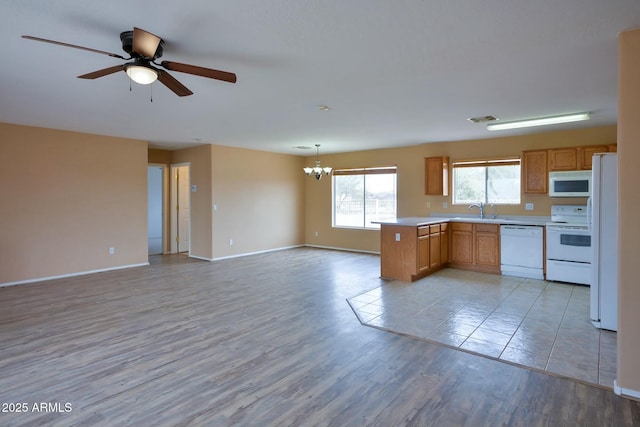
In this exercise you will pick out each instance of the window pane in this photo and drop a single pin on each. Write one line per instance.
(503, 184)
(381, 198)
(497, 183)
(348, 200)
(469, 185)
(361, 198)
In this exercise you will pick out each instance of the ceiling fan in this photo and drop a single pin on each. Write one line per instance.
(143, 49)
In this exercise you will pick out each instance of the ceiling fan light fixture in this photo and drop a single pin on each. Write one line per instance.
(141, 74)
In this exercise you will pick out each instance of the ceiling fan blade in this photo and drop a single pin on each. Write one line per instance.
(145, 43)
(169, 81)
(39, 39)
(103, 72)
(199, 71)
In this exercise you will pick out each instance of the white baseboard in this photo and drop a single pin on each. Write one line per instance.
(281, 249)
(79, 273)
(343, 249)
(200, 258)
(620, 391)
(255, 253)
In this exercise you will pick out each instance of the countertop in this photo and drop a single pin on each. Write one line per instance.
(414, 221)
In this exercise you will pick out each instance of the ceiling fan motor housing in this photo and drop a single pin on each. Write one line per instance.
(127, 45)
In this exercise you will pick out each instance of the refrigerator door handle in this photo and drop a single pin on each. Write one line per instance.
(590, 213)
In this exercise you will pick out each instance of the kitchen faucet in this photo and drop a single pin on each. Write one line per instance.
(480, 206)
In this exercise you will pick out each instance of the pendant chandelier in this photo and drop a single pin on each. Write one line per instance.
(317, 170)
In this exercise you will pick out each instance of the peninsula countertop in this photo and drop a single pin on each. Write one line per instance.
(415, 221)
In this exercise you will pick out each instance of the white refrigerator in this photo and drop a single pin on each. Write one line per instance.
(604, 241)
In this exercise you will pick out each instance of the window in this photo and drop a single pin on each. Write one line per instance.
(364, 195)
(487, 181)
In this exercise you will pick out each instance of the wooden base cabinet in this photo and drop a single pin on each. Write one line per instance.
(444, 243)
(475, 246)
(409, 253)
(461, 243)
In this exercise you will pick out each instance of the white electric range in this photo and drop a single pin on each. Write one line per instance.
(568, 246)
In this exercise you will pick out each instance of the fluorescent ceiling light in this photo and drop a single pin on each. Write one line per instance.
(539, 122)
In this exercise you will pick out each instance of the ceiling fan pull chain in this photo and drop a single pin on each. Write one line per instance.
(151, 88)
(130, 84)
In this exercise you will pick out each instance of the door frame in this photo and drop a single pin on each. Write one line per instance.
(165, 219)
(173, 218)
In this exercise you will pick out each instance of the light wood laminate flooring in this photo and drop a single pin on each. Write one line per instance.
(263, 340)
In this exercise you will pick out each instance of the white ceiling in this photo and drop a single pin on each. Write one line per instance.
(394, 73)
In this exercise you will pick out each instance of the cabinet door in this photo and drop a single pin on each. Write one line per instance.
(534, 172)
(563, 159)
(436, 176)
(585, 155)
(461, 246)
(434, 250)
(444, 244)
(423, 253)
(487, 249)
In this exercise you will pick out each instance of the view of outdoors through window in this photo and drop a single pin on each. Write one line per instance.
(499, 184)
(362, 196)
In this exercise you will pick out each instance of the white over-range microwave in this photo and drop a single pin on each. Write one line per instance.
(570, 184)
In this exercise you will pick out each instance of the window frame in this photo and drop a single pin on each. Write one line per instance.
(381, 170)
(486, 163)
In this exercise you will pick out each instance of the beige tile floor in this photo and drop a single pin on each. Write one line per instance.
(534, 323)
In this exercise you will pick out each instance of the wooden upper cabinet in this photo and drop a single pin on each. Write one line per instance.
(612, 148)
(534, 172)
(563, 159)
(585, 155)
(436, 176)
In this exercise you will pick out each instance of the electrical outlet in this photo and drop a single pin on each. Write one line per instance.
(316, 233)
(428, 205)
(230, 242)
(445, 205)
(397, 237)
(528, 207)
(112, 251)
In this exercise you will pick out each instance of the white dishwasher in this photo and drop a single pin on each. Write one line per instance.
(521, 251)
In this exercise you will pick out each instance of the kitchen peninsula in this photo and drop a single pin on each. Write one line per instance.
(414, 247)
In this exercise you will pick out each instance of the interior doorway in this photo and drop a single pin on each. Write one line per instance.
(155, 217)
(180, 208)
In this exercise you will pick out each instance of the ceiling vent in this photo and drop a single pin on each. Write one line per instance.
(483, 119)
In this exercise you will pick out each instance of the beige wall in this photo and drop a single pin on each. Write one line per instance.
(259, 199)
(411, 198)
(629, 206)
(199, 160)
(66, 198)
